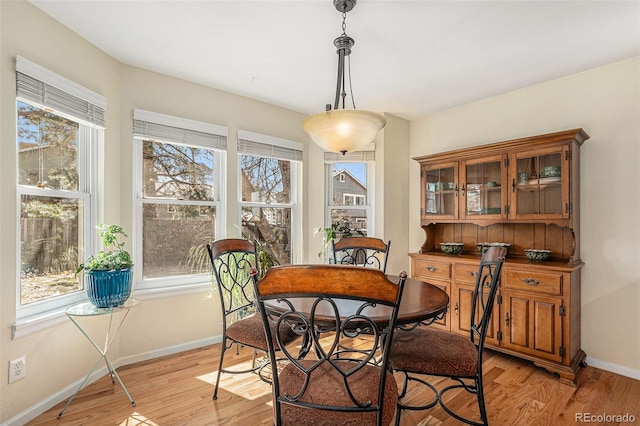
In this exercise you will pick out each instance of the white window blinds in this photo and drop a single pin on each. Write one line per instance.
(47, 89)
(166, 128)
(250, 143)
(349, 157)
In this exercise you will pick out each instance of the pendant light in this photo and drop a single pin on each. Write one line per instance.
(339, 129)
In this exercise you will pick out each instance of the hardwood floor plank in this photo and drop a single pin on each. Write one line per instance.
(178, 389)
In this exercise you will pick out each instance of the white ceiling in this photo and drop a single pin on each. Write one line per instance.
(411, 58)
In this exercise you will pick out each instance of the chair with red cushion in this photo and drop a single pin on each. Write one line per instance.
(431, 352)
(232, 260)
(326, 304)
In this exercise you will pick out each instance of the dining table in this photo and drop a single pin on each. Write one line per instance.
(421, 302)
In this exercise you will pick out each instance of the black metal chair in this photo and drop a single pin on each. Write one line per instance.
(427, 351)
(361, 251)
(232, 260)
(326, 304)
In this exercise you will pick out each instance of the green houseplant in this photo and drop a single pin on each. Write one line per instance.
(338, 229)
(108, 275)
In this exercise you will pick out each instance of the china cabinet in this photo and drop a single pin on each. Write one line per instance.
(523, 193)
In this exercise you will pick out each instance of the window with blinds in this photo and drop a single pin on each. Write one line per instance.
(179, 174)
(269, 170)
(58, 126)
(349, 191)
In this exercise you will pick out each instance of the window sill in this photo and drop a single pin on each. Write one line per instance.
(32, 324)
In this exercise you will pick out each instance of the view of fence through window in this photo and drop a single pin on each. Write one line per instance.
(178, 209)
(50, 237)
(266, 196)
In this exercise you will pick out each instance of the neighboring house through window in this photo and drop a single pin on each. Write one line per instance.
(269, 199)
(349, 189)
(59, 124)
(179, 175)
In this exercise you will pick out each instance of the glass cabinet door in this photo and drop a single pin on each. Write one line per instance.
(482, 187)
(540, 184)
(440, 189)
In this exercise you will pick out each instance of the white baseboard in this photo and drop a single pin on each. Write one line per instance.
(614, 368)
(66, 392)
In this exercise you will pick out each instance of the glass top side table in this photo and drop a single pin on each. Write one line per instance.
(87, 309)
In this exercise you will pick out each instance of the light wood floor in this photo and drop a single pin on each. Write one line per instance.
(177, 390)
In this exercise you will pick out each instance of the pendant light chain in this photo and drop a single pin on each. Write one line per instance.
(340, 129)
(344, 23)
(348, 58)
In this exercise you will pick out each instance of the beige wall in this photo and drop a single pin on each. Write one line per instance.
(605, 101)
(58, 356)
(25, 31)
(165, 322)
(392, 173)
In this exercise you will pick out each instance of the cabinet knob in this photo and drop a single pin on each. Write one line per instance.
(531, 281)
(474, 274)
(456, 308)
(431, 268)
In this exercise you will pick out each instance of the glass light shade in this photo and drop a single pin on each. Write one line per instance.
(343, 130)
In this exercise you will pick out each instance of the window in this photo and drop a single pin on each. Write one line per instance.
(56, 133)
(269, 193)
(179, 173)
(353, 199)
(349, 190)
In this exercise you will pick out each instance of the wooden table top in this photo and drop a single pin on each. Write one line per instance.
(420, 302)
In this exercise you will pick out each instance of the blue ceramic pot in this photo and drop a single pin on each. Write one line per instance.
(108, 289)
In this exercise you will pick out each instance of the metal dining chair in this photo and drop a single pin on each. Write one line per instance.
(361, 251)
(427, 351)
(332, 385)
(232, 260)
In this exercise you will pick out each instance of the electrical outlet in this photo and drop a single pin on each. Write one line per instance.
(17, 369)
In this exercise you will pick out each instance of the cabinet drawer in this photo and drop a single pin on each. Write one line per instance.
(466, 273)
(427, 268)
(533, 282)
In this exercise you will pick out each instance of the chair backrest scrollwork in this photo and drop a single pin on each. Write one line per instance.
(361, 251)
(328, 305)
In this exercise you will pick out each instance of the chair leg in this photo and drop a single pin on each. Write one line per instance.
(223, 348)
(481, 405)
(403, 392)
(253, 360)
(475, 389)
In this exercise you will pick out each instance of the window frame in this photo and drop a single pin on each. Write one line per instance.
(368, 159)
(82, 106)
(187, 282)
(295, 201)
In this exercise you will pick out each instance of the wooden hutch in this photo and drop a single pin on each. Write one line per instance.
(523, 192)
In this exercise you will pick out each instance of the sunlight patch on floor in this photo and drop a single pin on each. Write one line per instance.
(137, 419)
(429, 421)
(252, 386)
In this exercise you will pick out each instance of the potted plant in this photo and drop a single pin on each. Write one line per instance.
(108, 275)
(338, 229)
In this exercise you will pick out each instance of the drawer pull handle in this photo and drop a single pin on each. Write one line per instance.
(456, 308)
(431, 268)
(531, 281)
(474, 274)
(506, 319)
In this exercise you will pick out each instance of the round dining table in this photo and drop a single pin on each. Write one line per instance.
(420, 302)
